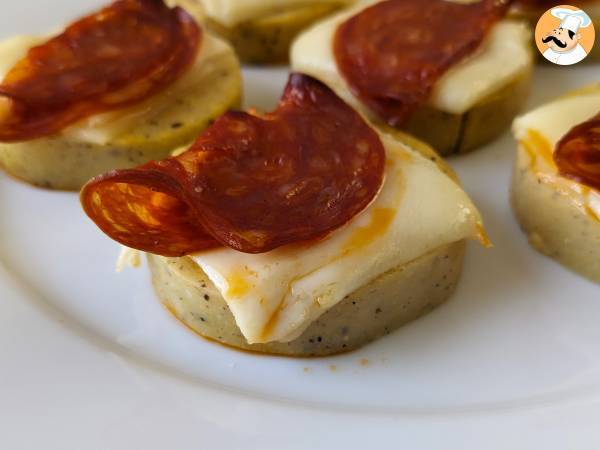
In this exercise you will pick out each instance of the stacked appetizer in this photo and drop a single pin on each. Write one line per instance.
(261, 30)
(115, 89)
(532, 10)
(556, 182)
(303, 231)
(451, 73)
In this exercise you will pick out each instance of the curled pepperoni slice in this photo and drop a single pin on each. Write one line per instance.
(117, 57)
(391, 54)
(141, 208)
(252, 183)
(577, 154)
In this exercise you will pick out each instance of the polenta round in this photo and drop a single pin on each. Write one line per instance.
(130, 136)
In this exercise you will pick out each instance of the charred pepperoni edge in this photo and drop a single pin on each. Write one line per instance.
(577, 154)
(30, 118)
(285, 188)
(366, 43)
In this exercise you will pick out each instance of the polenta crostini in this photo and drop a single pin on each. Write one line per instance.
(556, 185)
(115, 89)
(455, 77)
(300, 232)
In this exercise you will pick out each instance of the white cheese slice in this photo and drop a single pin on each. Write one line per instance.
(553, 120)
(550, 123)
(276, 295)
(233, 12)
(102, 128)
(503, 56)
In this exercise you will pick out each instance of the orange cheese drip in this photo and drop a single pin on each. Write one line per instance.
(270, 326)
(537, 146)
(483, 237)
(381, 219)
(238, 283)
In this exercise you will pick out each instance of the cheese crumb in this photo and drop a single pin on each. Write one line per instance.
(128, 258)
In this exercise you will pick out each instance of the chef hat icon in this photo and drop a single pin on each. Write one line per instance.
(571, 20)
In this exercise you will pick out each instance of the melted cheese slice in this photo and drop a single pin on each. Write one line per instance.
(233, 12)
(539, 131)
(275, 296)
(503, 57)
(102, 128)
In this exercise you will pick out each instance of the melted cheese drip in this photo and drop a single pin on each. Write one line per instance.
(275, 296)
(503, 57)
(102, 128)
(233, 12)
(128, 258)
(539, 131)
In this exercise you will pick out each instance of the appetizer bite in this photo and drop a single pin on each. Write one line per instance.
(113, 90)
(261, 30)
(556, 180)
(531, 11)
(452, 74)
(298, 232)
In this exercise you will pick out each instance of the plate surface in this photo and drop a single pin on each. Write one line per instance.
(91, 360)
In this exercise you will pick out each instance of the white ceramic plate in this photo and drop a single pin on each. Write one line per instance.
(90, 360)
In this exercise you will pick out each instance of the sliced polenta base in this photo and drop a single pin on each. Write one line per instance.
(453, 133)
(374, 310)
(267, 39)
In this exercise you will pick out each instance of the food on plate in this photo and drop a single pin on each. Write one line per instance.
(302, 232)
(261, 30)
(532, 10)
(556, 180)
(114, 89)
(452, 74)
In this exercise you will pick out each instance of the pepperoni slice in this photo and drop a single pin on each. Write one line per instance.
(117, 57)
(250, 182)
(391, 54)
(577, 154)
